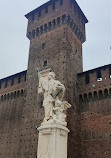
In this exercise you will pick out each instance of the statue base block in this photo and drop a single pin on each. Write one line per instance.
(52, 141)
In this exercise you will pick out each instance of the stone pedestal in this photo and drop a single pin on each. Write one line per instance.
(52, 141)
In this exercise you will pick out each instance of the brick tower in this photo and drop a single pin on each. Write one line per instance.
(56, 31)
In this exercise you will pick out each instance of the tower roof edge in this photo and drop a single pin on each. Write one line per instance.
(52, 1)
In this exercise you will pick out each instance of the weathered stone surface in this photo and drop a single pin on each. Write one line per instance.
(52, 142)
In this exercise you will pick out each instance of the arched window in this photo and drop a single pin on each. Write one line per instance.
(80, 97)
(58, 21)
(11, 95)
(95, 94)
(45, 28)
(49, 26)
(33, 34)
(37, 32)
(54, 23)
(68, 20)
(100, 94)
(22, 91)
(105, 92)
(41, 30)
(85, 97)
(64, 18)
(15, 94)
(90, 95)
(8, 95)
(5, 97)
(18, 93)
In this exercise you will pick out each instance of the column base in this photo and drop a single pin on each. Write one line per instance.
(52, 141)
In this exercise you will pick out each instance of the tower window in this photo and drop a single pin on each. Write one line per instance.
(39, 14)
(43, 45)
(6, 83)
(98, 74)
(58, 21)
(41, 29)
(37, 32)
(45, 27)
(54, 23)
(33, 33)
(33, 16)
(49, 26)
(19, 78)
(46, 10)
(63, 18)
(76, 51)
(61, 2)
(87, 78)
(12, 82)
(45, 63)
(53, 6)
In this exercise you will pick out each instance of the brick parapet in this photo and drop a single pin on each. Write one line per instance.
(12, 85)
(95, 83)
(67, 13)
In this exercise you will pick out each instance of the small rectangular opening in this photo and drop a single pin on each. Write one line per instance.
(98, 74)
(43, 45)
(45, 63)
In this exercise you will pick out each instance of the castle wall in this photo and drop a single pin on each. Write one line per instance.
(95, 90)
(95, 112)
(12, 100)
(95, 135)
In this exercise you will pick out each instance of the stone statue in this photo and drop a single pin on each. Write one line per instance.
(53, 103)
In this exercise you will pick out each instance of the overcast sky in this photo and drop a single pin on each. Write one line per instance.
(14, 46)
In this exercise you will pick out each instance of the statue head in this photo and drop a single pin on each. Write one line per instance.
(51, 75)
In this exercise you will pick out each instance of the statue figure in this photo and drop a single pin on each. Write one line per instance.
(53, 92)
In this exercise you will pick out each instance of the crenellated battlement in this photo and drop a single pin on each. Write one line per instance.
(60, 21)
(94, 87)
(12, 83)
(95, 83)
(59, 12)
